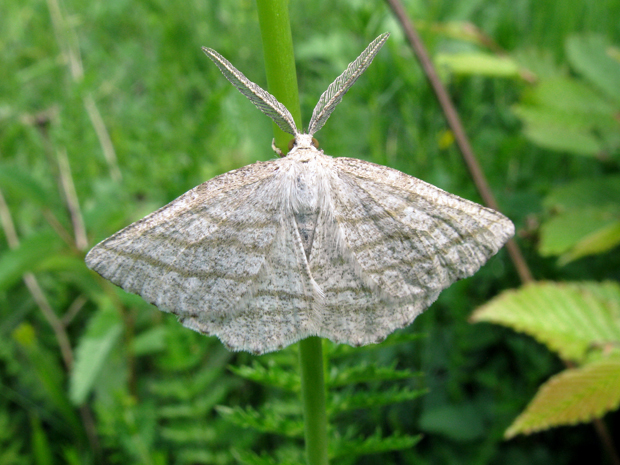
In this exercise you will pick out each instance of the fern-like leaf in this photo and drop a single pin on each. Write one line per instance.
(569, 318)
(273, 375)
(203, 456)
(183, 391)
(247, 457)
(573, 396)
(375, 444)
(360, 400)
(366, 373)
(334, 351)
(265, 420)
(200, 405)
(188, 433)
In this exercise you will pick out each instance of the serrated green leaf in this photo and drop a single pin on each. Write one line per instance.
(585, 221)
(104, 330)
(568, 318)
(365, 373)
(588, 55)
(541, 63)
(360, 400)
(31, 252)
(265, 421)
(574, 396)
(477, 63)
(607, 291)
(375, 444)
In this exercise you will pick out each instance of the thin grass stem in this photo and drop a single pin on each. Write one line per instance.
(282, 84)
(279, 62)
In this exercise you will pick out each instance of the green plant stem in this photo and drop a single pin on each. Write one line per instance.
(282, 84)
(279, 61)
(313, 395)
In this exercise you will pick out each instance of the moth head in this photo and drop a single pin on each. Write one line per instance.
(303, 141)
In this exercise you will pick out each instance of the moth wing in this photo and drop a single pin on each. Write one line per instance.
(397, 242)
(222, 258)
(354, 309)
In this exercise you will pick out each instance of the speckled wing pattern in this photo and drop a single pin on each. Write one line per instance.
(224, 257)
(305, 245)
(390, 245)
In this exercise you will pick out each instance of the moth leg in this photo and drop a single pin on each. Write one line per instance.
(275, 148)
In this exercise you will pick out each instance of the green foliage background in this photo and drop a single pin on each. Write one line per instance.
(142, 389)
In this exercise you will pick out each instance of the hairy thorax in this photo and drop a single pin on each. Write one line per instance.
(307, 191)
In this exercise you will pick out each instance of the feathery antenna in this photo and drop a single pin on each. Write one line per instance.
(263, 100)
(336, 90)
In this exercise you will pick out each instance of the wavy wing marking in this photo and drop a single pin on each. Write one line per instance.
(356, 310)
(400, 241)
(223, 258)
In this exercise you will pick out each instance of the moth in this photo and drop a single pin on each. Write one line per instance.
(306, 244)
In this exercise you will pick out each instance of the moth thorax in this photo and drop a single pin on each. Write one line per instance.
(305, 189)
(306, 206)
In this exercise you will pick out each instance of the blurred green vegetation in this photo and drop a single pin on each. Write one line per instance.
(109, 110)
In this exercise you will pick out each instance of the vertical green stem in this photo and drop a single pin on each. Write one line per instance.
(282, 83)
(279, 61)
(313, 395)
